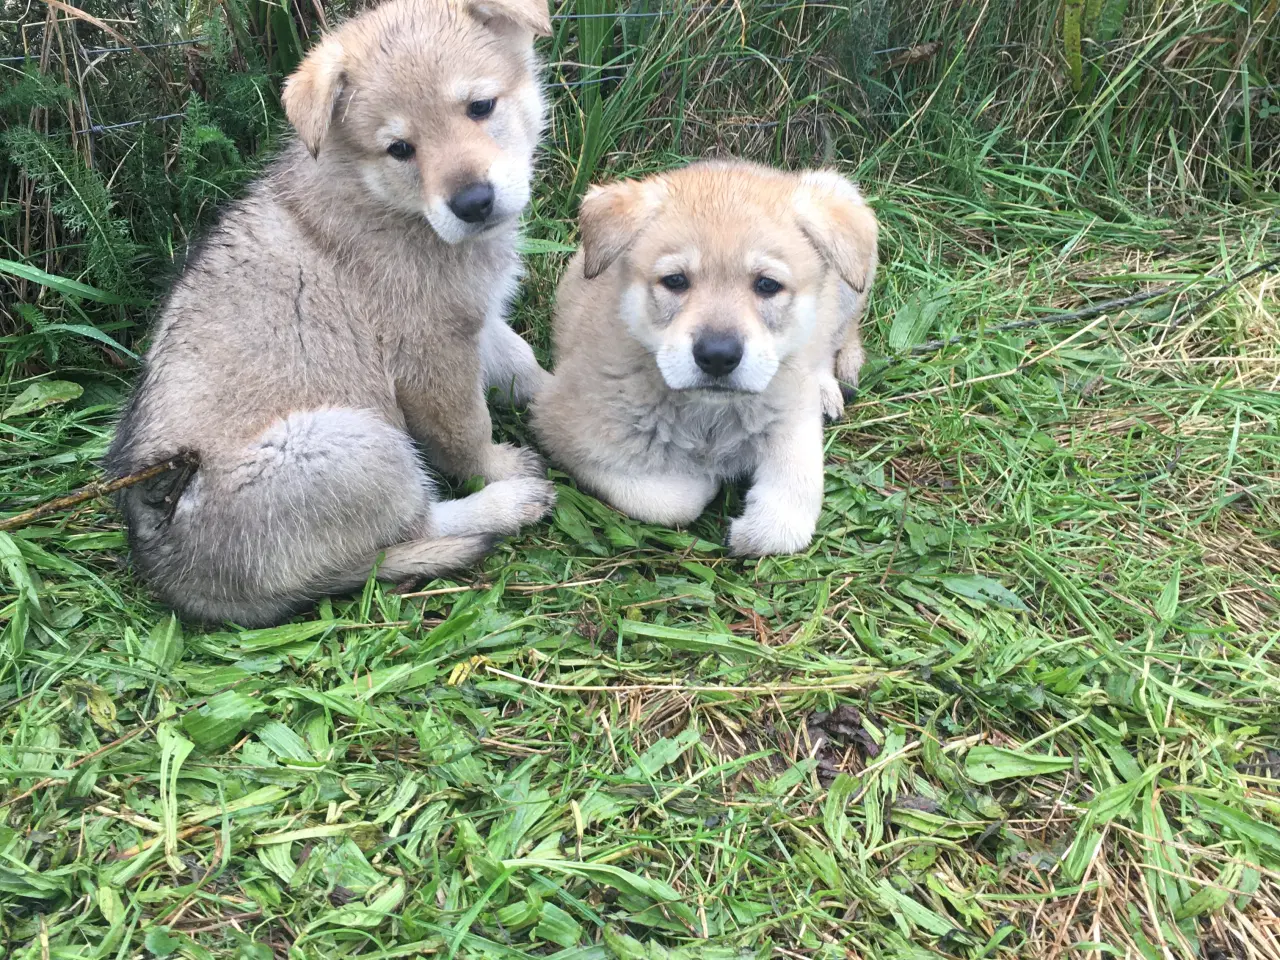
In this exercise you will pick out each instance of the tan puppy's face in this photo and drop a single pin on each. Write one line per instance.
(721, 265)
(434, 104)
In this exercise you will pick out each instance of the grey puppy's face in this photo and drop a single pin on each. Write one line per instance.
(438, 112)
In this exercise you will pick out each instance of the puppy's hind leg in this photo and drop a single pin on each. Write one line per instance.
(301, 511)
(501, 508)
(458, 533)
(850, 355)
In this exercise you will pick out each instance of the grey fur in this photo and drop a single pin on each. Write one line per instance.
(325, 334)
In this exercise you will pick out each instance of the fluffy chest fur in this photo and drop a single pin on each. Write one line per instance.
(697, 431)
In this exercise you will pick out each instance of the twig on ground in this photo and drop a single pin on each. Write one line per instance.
(99, 488)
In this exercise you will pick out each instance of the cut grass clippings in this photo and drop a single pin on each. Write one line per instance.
(1018, 700)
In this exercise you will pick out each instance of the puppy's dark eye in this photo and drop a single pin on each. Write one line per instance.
(675, 282)
(400, 149)
(479, 109)
(767, 286)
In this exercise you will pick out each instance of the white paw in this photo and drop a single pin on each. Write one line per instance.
(508, 462)
(766, 532)
(513, 504)
(832, 398)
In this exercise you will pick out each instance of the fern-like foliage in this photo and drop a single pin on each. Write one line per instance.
(79, 198)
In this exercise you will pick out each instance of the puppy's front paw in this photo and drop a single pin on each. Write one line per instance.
(761, 534)
(508, 462)
(832, 398)
(520, 502)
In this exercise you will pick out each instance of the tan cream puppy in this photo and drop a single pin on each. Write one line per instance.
(346, 317)
(700, 335)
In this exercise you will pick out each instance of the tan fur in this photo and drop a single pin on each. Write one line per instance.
(633, 413)
(340, 320)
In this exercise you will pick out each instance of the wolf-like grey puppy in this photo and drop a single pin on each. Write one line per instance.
(700, 335)
(347, 312)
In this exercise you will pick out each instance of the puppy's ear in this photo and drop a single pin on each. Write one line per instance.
(834, 217)
(531, 15)
(611, 217)
(312, 92)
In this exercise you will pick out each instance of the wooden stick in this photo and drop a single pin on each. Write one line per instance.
(99, 488)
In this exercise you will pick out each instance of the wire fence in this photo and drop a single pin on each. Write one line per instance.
(601, 74)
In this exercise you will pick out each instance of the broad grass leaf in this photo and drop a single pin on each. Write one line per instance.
(93, 333)
(1109, 20)
(916, 914)
(278, 858)
(931, 824)
(834, 821)
(727, 645)
(661, 754)
(368, 915)
(264, 798)
(220, 721)
(1167, 603)
(174, 750)
(286, 744)
(1081, 852)
(164, 647)
(986, 764)
(914, 319)
(1211, 898)
(160, 943)
(41, 394)
(252, 641)
(1241, 824)
(73, 288)
(655, 891)
(558, 927)
(568, 519)
(619, 946)
(984, 590)
(1118, 801)
(533, 246)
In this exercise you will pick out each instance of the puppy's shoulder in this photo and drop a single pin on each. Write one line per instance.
(581, 310)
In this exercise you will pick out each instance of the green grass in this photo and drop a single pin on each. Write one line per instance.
(1020, 699)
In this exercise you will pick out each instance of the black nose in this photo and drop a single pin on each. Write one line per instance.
(473, 203)
(717, 353)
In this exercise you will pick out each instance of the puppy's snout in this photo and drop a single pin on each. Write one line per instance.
(473, 203)
(717, 354)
